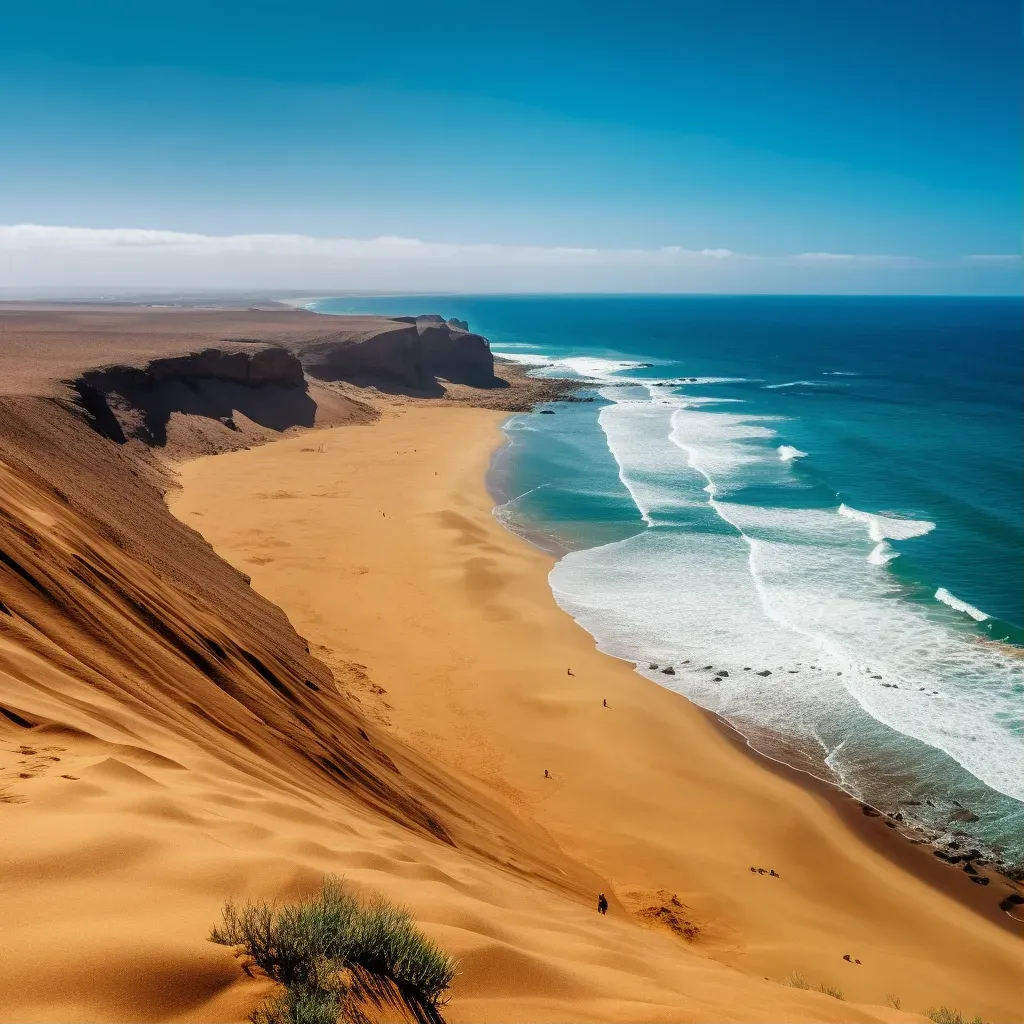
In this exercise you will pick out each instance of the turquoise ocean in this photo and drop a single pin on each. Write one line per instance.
(809, 509)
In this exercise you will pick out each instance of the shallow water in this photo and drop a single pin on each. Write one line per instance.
(810, 508)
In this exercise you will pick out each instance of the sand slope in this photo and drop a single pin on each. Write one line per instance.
(381, 548)
(161, 749)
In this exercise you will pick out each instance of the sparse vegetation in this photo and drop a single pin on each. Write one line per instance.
(797, 980)
(334, 954)
(947, 1015)
(894, 1000)
(829, 990)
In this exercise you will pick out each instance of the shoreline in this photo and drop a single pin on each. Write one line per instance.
(918, 833)
(685, 815)
(914, 855)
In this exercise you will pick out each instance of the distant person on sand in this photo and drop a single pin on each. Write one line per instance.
(602, 904)
(604, 703)
(569, 671)
(546, 776)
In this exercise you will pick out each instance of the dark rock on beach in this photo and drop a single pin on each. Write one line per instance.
(963, 814)
(668, 670)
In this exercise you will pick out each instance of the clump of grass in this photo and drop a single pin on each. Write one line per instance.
(298, 1005)
(332, 953)
(829, 990)
(947, 1015)
(797, 980)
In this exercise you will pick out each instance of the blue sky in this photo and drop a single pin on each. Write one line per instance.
(863, 130)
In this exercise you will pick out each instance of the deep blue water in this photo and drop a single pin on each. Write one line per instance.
(835, 500)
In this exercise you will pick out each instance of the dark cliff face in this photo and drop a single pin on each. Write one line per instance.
(457, 356)
(125, 402)
(264, 365)
(390, 356)
(408, 353)
(267, 383)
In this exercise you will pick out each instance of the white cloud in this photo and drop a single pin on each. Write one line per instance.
(387, 249)
(40, 256)
(861, 260)
(1010, 259)
(33, 254)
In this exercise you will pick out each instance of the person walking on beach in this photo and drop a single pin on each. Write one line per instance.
(602, 903)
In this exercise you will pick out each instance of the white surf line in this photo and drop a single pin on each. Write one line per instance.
(952, 601)
(644, 515)
(656, 399)
(851, 667)
(824, 644)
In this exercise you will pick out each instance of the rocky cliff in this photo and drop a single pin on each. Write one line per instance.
(405, 353)
(137, 401)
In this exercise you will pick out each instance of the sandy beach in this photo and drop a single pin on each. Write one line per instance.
(379, 544)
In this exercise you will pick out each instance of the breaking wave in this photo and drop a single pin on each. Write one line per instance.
(887, 527)
(954, 602)
(787, 453)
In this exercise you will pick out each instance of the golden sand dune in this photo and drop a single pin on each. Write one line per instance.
(382, 703)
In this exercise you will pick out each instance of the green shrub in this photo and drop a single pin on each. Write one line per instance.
(298, 1005)
(332, 952)
(386, 944)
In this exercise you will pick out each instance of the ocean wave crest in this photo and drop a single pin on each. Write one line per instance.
(882, 554)
(887, 527)
(943, 595)
(787, 453)
(715, 380)
(526, 358)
